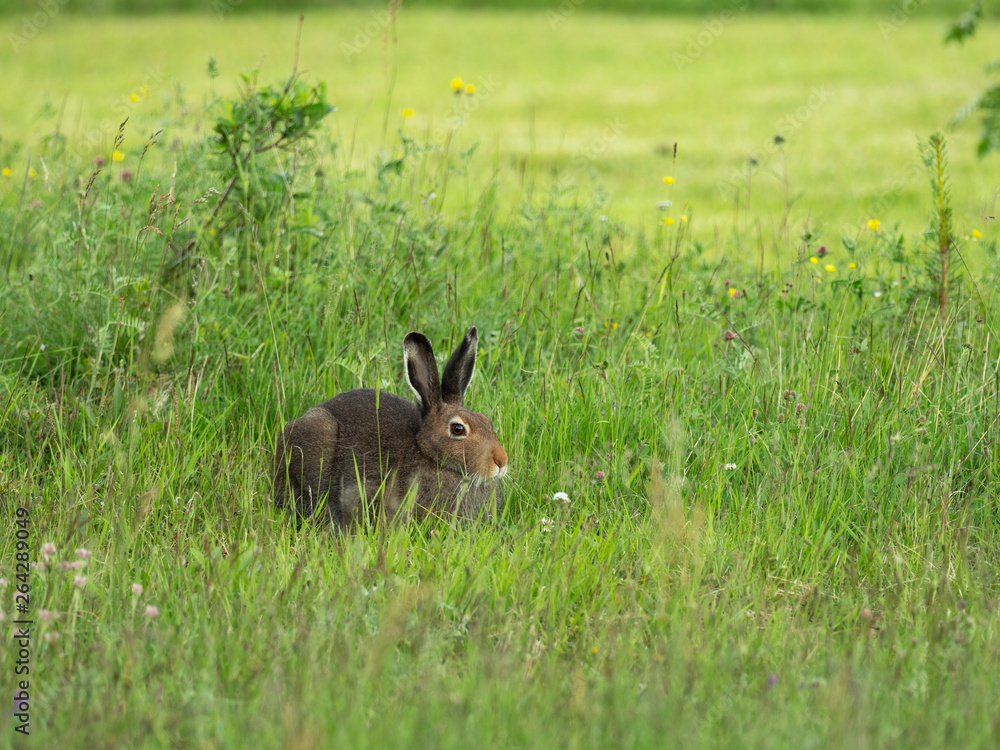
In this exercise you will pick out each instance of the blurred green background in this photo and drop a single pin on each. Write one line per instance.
(942, 7)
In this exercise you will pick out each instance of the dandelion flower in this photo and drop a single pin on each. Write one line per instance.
(976, 234)
(668, 221)
(733, 292)
(614, 326)
(470, 88)
(830, 268)
(456, 84)
(117, 156)
(874, 224)
(668, 180)
(814, 260)
(407, 112)
(7, 172)
(561, 497)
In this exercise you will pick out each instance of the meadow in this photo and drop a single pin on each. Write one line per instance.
(777, 438)
(591, 102)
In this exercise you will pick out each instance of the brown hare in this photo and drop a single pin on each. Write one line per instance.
(367, 452)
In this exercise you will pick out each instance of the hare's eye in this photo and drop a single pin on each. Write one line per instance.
(457, 429)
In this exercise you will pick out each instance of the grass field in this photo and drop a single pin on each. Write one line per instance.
(593, 101)
(781, 460)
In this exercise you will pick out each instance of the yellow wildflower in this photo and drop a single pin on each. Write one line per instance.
(133, 98)
(407, 112)
(143, 92)
(976, 234)
(32, 173)
(874, 224)
(732, 292)
(684, 217)
(470, 88)
(668, 180)
(814, 260)
(830, 268)
(456, 84)
(852, 266)
(117, 156)
(668, 221)
(7, 172)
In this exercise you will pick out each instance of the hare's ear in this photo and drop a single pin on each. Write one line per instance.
(460, 369)
(421, 370)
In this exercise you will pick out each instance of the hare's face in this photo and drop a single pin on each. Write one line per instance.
(463, 441)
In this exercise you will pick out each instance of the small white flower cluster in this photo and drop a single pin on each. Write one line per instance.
(561, 497)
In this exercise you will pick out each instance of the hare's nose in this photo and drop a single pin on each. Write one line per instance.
(499, 457)
(500, 460)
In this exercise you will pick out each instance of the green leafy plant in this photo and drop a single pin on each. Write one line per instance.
(262, 121)
(987, 104)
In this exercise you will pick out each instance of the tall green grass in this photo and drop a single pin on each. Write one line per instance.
(782, 527)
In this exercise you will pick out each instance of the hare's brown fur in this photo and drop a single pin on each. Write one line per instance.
(364, 451)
